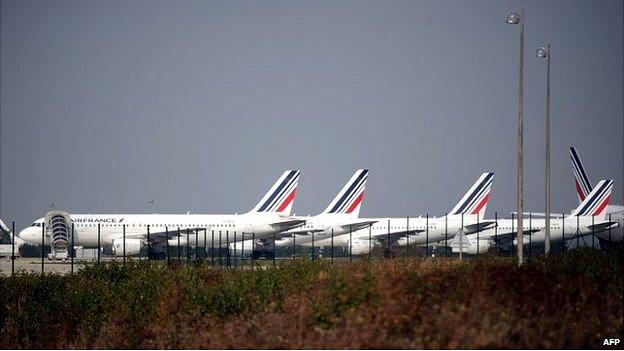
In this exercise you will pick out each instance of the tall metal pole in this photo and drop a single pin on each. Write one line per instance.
(514, 18)
(520, 180)
(547, 176)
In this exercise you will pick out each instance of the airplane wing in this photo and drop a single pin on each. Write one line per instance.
(393, 237)
(160, 236)
(288, 224)
(473, 228)
(358, 225)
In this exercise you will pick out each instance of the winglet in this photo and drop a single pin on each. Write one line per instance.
(349, 199)
(581, 181)
(595, 204)
(476, 199)
(281, 195)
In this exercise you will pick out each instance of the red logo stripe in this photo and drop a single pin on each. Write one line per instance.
(481, 204)
(287, 201)
(579, 191)
(602, 206)
(356, 202)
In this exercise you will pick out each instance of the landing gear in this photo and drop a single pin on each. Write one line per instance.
(257, 254)
(389, 253)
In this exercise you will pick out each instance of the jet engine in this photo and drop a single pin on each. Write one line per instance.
(58, 231)
(360, 247)
(133, 247)
(474, 249)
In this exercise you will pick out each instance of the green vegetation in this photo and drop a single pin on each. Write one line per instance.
(565, 301)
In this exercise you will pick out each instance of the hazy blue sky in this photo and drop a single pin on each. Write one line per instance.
(200, 105)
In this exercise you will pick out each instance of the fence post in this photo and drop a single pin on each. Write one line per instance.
(563, 231)
(205, 244)
(313, 255)
(446, 235)
(577, 232)
(188, 246)
(123, 228)
(179, 245)
(42, 244)
(234, 248)
(593, 233)
(530, 234)
(294, 245)
(253, 248)
(149, 246)
(388, 241)
(196, 243)
(167, 245)
(370, 242)
(274, 249)
(427, 235)
(477, 234)
(408, 236)
(496, 232)
(227, 248)
(220, 261)
(98, 239)
(212, 248)
(512, 235)
(72, 249)
(13, 249)
(332, 244)
(609, 227)
(350, 245)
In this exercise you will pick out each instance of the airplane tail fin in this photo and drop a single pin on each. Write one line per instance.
(281, 195)
(581, 181)
(476, 199)
(595, 204)
(349, 199)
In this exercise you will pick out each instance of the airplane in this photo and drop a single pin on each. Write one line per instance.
(386, 232)
(583, 188)
(586, 219)
(340, 216)
(271, 214)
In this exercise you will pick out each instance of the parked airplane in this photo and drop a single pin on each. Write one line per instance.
(386, 232)
(271, 214)
(583, 188)
(338, 218)
(586, 219)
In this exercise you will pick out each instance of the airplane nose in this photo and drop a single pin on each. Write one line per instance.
(26, 234)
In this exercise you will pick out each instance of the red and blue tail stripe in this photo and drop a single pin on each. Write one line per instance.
(281, 194)
(477, 197)
(350, 197)
(596, 202)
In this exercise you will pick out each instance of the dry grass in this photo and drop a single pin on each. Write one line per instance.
(571, 301)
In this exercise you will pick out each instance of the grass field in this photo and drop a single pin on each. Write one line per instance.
(566, 301)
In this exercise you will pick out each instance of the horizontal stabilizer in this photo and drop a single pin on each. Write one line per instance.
(602, 226)
(288, 224)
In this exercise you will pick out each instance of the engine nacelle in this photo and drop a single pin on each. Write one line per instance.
(133, 247)
(360, 247)
(474, 249)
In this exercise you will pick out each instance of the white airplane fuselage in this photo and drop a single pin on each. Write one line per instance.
(111, 226)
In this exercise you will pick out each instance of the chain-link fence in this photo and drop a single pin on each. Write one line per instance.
(45, 247)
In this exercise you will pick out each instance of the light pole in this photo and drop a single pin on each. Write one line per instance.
(515, 18)
(544, 52)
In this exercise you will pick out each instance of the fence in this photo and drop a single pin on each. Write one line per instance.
(428, 237)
